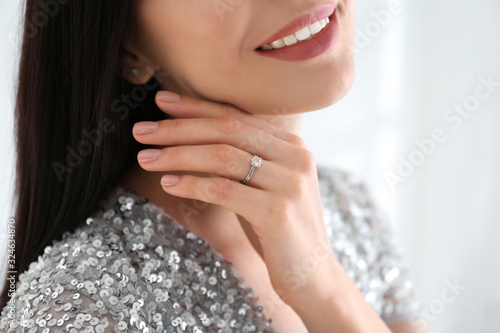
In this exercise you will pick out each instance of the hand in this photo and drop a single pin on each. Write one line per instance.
(281, 202)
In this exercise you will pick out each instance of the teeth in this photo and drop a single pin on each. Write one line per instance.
(315, 28)
(277, 44)
(290, 40)
(302, 35)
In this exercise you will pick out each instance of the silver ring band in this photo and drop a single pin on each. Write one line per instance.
(255, 162)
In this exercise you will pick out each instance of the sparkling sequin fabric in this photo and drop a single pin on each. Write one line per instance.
(132, 268)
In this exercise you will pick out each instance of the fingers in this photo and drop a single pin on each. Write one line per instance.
(202, 131)
(222, 160)
(222, 192)
(189, 107)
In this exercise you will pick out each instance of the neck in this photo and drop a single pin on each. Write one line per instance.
(290, 122)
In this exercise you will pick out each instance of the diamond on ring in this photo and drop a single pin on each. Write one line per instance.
(255, 162)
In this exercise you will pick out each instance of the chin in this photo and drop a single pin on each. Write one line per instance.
(334, 86)
(325, 93)
(337, 91)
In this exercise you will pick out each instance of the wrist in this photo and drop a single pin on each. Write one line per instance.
(318, 287)
(331, 302)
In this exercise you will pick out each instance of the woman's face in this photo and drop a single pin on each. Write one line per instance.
(209, 50)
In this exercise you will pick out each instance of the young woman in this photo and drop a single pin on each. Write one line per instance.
(161, 183)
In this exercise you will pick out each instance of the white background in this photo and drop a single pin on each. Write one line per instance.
(411, 68)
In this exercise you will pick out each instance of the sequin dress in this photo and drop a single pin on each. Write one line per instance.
(131, 268)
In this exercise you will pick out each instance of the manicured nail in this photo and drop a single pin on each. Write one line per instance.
(170, 180)
(168, 96)
(148, 155)
(145, 127)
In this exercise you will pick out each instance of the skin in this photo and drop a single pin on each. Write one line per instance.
(233, 103)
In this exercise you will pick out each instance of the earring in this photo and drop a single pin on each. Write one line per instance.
(135, 71)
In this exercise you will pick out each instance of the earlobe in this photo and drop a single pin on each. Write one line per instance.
(134, 65)
(135, 71)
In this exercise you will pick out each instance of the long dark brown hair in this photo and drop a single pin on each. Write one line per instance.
(74, 114)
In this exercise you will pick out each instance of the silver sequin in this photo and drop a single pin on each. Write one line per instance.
(131, 268)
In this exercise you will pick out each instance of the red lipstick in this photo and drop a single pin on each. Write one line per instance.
(303, 50)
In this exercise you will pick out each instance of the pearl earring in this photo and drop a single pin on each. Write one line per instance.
(135, 71)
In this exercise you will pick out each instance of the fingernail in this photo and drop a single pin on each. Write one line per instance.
(170, 180)
(145, 127)
(148, 155)
(168, 96)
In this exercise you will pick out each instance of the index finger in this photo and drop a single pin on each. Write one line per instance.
(182, 106)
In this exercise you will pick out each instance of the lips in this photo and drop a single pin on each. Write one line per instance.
(321, 12)
(279, 47)
(302, 35)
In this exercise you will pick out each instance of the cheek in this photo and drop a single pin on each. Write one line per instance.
(189, 40)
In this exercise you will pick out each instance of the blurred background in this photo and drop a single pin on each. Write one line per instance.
(420, 126)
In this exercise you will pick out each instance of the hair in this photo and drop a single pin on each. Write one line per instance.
(74, 114)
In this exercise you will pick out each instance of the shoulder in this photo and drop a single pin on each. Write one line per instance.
(68, 283)
(348, 200)
(342, 181)
(130, 267)
(364, 241)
